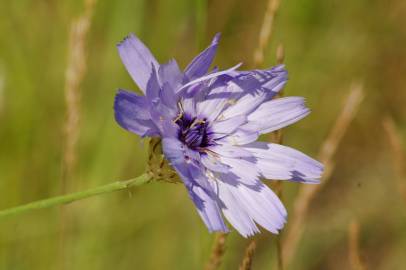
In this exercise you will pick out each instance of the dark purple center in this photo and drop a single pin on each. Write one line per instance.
(193, 132)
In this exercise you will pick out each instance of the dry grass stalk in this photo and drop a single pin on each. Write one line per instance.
(1, 90)
(248, 256)
(76, 68)
(326, 153)
(280, 54)
(340, 127)
(266, 31)
(75, 71)
(398, 153)
(353, 247)
(279, 258)
(217, 252)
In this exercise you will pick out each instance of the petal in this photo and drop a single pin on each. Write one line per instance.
(171, 78)
(240, 137)
(161, 106)
(213, 103)
(226, 127)
(153, 85)
(263, 206)
(200, 189)
(243, 170)
(276, 81)
(272, 80)
(173, 150)
(257, 87)
(137, 59)
(235, 212)
(201, 63)
(284, 163)
(260, 203)
(210, 76)
(169, 99)
(188, 106)
(231, 151)
(269, 81)
(208, 209)
(276, 114)
(212, 163)
(171, 74)
(244, 105)
(162, 83)
(220, 95)
(132, 113)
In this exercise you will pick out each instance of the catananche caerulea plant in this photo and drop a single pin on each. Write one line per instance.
(209, 122)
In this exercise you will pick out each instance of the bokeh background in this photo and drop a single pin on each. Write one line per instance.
(328, 45)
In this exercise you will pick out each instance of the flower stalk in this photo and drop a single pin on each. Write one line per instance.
(68, 198)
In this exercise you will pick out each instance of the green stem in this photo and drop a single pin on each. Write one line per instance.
(68, 198)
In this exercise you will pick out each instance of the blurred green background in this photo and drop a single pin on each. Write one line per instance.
(328, 45)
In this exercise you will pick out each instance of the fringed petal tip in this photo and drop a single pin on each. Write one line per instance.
(125, 39)
(137, 59)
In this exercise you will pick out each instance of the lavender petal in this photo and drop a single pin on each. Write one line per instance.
(201, 63)
(132, 113)
(235, 212)
(137, 59)
(284, 163)
(275, 114)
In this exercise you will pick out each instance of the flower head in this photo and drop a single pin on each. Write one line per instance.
(209, 122)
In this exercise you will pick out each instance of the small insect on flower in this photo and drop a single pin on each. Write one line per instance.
(209, 122)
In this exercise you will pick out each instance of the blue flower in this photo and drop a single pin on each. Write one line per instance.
(209, 122)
